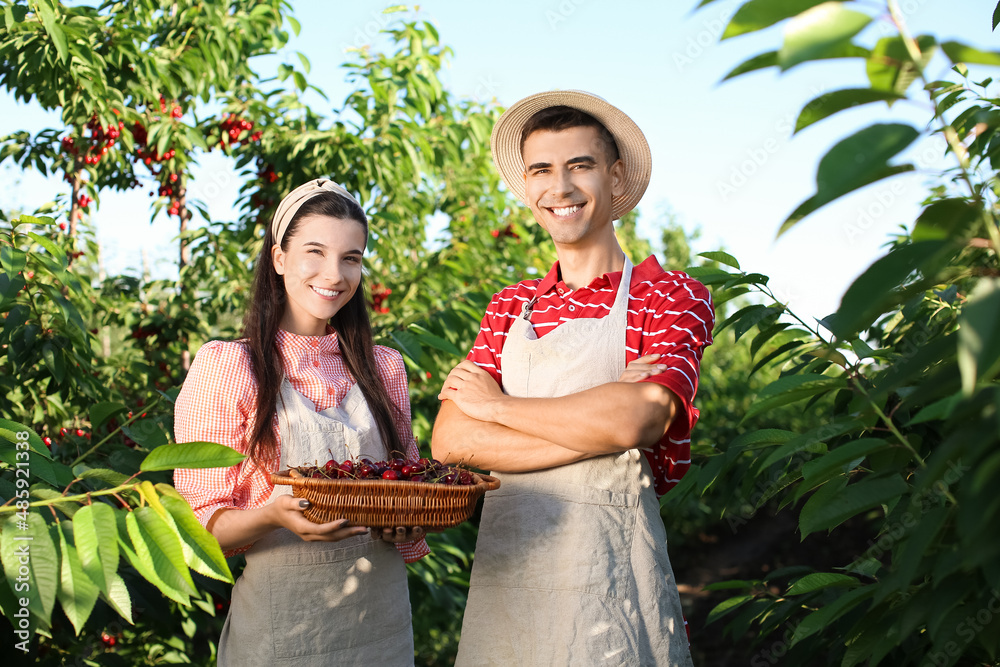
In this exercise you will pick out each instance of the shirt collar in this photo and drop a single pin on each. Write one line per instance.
(551, 280)
(293, 343)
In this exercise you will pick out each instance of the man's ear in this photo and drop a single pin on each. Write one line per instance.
(618, 178)
(278, 259)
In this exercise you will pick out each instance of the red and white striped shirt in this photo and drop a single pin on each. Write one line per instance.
(218, 403)
(669, 314)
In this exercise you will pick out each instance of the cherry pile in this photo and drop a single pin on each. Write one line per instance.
(421, 470)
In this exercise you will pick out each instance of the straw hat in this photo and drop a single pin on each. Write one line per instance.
(632, 147)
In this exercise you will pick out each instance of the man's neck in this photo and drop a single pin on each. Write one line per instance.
(579, 267)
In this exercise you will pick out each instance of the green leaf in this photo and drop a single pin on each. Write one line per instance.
(820, 434)
(959, 53)
(300, 80)
(890, 66)
(816, 32)
(790, 389)
(765, 437)
(776, 353)
(31, 544)
(77, 593)
(53, 29)
(823, 617)
(996, 16)
(9, 430)
(102, 412)
(119, 598)
(842, 456)
(721, 257)
(96, 538)
(939, 409)
(855, 162)
(821, 580)
(191, 455)
(306, 65)
(158, 546)
(109, 477)
(821, 513)
(828, 104)
(430, 340)
(409, 345)
(733, 583)
(875, 290)
(759, 14)
(768, 59)
(727, 606)
(979, 335)
(201, 549)
(53, 362)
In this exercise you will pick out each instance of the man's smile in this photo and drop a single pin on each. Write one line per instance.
(565, 211)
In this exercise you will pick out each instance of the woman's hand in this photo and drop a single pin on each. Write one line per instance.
(473, 390)
(286, 512)
(642, 368)
(399, 534)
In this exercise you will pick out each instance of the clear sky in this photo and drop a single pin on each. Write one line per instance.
(723, 156)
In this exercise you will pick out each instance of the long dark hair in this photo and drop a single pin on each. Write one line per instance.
(354, 331)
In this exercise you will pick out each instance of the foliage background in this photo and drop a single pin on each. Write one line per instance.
(842, 468)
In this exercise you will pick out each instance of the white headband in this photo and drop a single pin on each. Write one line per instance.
(289, 206)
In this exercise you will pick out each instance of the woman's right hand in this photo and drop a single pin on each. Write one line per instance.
(286, 512)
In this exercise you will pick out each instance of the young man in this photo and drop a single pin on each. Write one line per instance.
(571, 563)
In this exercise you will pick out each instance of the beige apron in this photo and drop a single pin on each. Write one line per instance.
(571, 563)
(320, 603)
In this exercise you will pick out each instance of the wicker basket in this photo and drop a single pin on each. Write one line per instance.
(378, 503)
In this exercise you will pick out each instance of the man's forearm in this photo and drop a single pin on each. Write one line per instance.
(608, 418)
(489, 446)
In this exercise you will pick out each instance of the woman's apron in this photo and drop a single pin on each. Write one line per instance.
(571, 563)
(320, 603)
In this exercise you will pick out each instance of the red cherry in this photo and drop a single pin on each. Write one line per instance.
(48, 441)
(417, 478)
(79, 432)
(108, 640)
(390, 474)
(62, 433)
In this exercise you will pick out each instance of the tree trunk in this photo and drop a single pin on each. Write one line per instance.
(74, 208)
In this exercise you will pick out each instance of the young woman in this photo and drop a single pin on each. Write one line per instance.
(303, 385)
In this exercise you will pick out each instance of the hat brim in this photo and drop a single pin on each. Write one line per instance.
(505, 142)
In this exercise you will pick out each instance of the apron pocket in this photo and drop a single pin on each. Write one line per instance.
(571, 539)
(339, 601)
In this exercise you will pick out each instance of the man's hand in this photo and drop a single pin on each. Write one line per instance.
(642, 368)
(473, 390)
